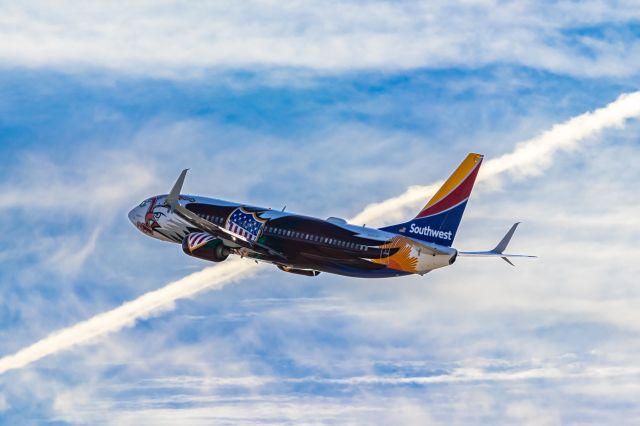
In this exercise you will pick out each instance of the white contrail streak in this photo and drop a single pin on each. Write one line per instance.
(529, 157)
(128, 313)
(468, 374)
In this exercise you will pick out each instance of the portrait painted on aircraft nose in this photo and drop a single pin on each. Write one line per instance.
(151, 217)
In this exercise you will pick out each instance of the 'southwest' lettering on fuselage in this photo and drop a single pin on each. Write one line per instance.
(427, 231)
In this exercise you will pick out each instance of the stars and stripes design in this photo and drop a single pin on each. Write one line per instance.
(196, 240)
(244, 224)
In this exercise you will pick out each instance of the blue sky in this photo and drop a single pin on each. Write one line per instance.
(326, 109)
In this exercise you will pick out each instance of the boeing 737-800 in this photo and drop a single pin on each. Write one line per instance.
(212, 229)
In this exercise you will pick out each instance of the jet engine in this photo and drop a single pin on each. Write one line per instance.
(205, 246)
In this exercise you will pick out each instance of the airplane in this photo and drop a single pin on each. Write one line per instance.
(212, 229)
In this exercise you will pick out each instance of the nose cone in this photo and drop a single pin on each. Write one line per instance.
(135, 215)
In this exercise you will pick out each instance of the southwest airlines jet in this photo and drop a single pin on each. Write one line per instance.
(213, 229)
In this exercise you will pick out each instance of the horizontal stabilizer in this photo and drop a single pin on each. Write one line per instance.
(498, 251)
(502, 245)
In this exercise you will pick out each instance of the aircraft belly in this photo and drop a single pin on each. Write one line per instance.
(351, 271)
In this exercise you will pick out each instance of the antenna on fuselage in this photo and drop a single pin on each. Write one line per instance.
(285, 206)
(174, 196)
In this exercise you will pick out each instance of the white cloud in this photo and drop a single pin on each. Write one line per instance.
(93, 182)
(529, 157)
(128, 313)
(181, 39)
(4, 405)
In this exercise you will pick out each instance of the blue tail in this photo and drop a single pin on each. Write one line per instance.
(438, 221)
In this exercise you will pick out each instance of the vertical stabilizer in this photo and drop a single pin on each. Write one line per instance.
(439, 219)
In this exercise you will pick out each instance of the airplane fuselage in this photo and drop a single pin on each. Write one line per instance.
(295, 243)
(213, 229)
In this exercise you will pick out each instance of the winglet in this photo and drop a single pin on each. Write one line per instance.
(174, 195)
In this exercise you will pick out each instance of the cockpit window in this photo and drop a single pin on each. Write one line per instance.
(145, 202)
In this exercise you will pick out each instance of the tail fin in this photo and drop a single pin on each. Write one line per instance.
(438, 221)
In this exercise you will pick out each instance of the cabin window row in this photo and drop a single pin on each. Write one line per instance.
(213, 219)
(314, 238)
(296, 234)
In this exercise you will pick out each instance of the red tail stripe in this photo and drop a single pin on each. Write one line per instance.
(454, 198)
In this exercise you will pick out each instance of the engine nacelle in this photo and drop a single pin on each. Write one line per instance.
(205, 246)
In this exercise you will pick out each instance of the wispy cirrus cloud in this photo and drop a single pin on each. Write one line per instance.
(127, 314)
(180, 40)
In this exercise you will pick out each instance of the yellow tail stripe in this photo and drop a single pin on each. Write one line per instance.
(455, 179)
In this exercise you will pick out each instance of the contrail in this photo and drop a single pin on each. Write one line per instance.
(528, 158)
(128, 313)
(467, 374)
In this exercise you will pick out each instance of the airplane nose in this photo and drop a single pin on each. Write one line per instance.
(134, 215)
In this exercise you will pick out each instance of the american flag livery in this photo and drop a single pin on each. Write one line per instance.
(196, 240)
(244, 224)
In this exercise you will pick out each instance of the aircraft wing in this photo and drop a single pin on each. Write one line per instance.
(196, 221)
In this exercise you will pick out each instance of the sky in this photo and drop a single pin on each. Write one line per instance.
(353, 109)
